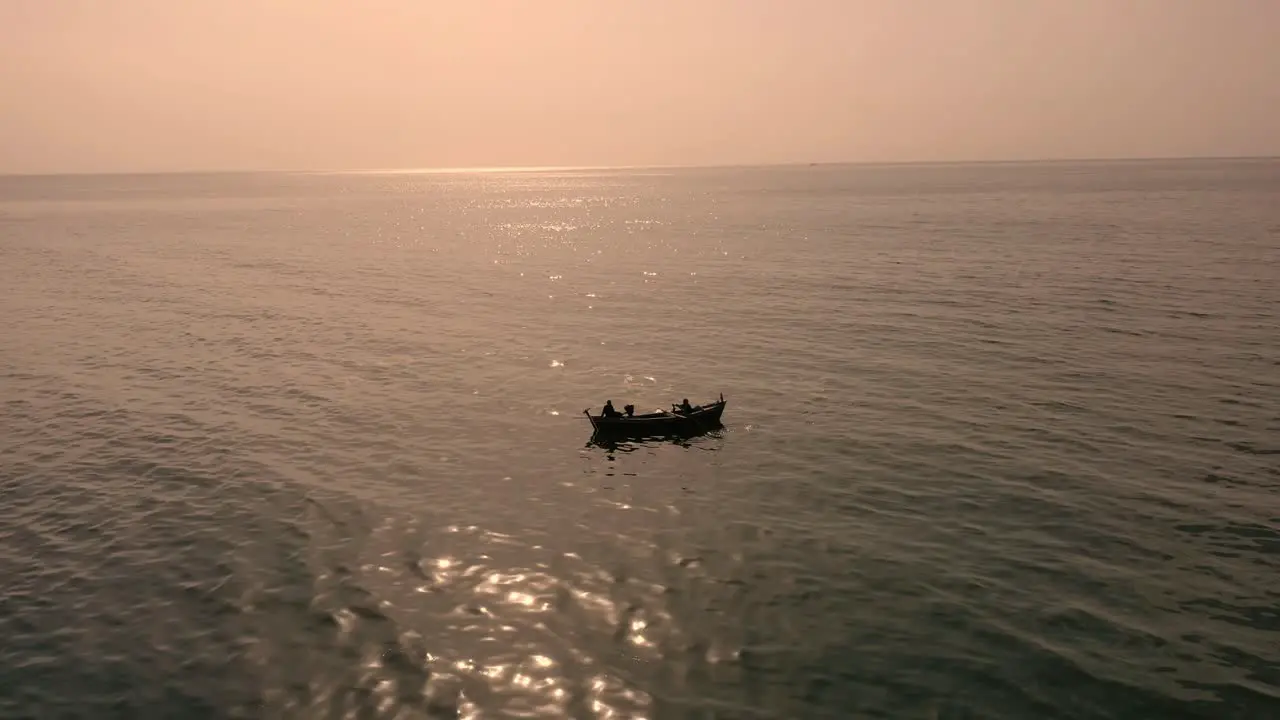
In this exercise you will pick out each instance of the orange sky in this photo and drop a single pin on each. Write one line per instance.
(145, 85)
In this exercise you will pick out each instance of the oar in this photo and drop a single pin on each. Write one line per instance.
(682, 416)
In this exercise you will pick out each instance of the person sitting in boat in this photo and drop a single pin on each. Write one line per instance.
(609, 411)
(685, 407)
(629, 410)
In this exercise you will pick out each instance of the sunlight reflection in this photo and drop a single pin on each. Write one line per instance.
(593, 602)
(520, 598)
(506, 617)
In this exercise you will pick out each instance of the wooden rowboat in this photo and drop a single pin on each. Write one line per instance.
(664, 422)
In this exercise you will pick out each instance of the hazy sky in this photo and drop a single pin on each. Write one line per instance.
(125, 85)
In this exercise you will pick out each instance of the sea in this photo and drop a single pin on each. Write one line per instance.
(1002, 441)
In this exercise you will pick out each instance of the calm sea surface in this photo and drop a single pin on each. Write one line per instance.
(1003, 441)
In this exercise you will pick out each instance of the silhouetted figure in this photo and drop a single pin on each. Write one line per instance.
(630, 410)
(683, 407)
(608, 410)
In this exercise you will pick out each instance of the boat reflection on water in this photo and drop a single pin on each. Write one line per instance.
(613, 442)
(675, 426)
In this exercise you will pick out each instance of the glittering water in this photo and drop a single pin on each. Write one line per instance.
(1001, 443)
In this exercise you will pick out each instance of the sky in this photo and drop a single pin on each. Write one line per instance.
(178, 85)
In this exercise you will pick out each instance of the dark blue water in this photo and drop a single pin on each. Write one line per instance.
(1001, 443)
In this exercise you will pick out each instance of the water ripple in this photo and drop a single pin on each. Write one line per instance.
(1000, 443)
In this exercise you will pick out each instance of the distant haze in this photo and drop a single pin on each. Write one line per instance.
(158, 85)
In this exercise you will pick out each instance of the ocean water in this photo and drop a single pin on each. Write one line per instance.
(1002, 441)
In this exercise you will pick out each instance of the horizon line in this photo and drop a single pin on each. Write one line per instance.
(501, 169)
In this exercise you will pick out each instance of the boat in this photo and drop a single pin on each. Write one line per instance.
(660, 423)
